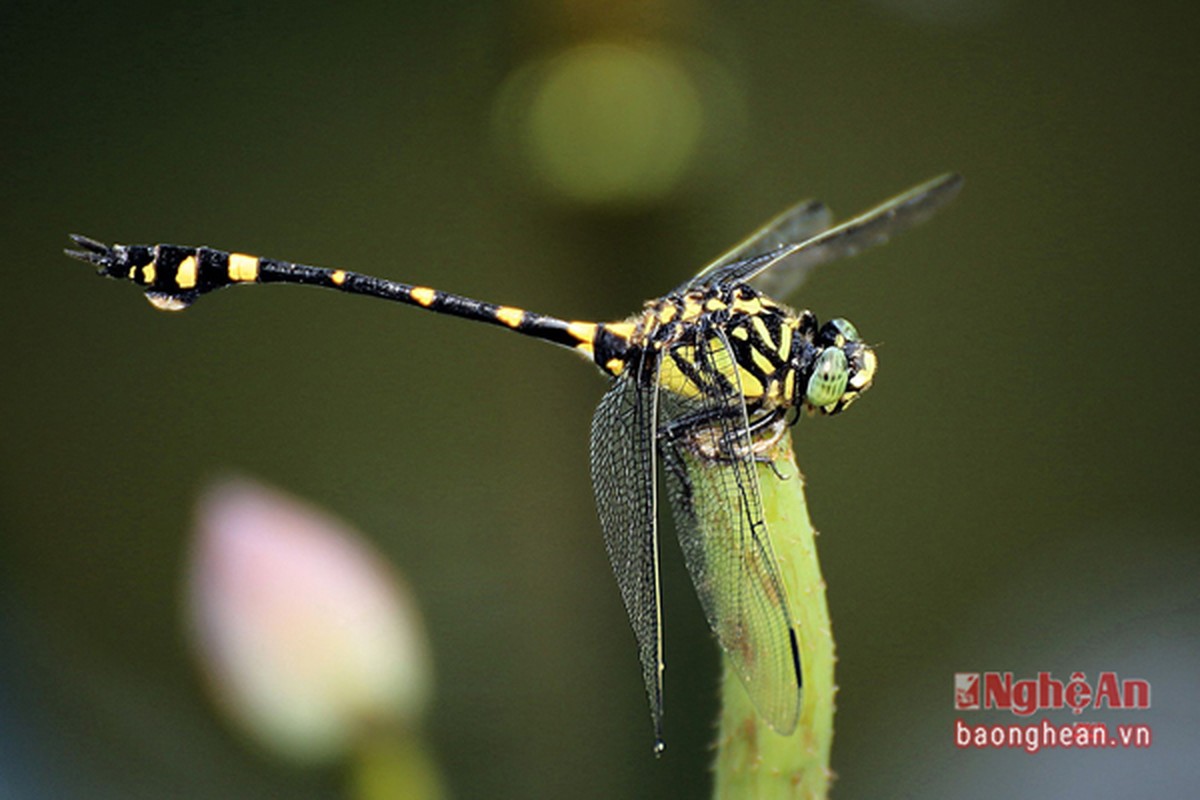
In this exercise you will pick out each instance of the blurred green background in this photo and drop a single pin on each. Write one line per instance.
(1017, 492)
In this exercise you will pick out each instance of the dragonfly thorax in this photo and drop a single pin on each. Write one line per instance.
(730, 340)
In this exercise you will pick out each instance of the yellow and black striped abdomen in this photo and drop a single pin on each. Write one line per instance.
(174, 276)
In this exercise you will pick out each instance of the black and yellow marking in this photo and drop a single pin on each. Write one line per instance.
(762, 336)
(768, 340)
(704, 382)
(174, 276)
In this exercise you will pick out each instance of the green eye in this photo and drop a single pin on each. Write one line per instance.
(846, 329)
(828, 381)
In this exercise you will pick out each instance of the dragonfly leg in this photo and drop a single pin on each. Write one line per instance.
(709, 435)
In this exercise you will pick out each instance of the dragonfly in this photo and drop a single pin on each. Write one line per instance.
(704, 381)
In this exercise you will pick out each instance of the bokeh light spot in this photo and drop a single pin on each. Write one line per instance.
(607, 123)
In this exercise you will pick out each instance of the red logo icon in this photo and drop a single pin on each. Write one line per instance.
(966, 691)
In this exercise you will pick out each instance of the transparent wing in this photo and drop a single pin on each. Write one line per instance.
(712, 482)
(623, 478)
(800, 222)
(781, 271)
(784, 274)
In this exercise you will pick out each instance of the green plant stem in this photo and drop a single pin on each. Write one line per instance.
(752, 760)
(394, 765)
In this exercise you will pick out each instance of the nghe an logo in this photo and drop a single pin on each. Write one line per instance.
(966, 691)
(973, 691)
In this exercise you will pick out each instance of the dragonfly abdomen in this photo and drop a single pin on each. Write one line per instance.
(174, 276)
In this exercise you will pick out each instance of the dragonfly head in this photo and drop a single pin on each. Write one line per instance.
(842, 368)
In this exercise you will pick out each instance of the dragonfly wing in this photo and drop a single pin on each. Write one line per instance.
(623, 478)
(712, 483)
(800, 222)
(780, 276)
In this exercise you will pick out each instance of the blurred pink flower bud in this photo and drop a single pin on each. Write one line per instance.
(307, 637)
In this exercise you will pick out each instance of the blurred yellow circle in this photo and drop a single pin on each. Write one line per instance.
(607, 123)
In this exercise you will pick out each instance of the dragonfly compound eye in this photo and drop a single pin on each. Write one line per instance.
(837, 333)
(827, 384)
